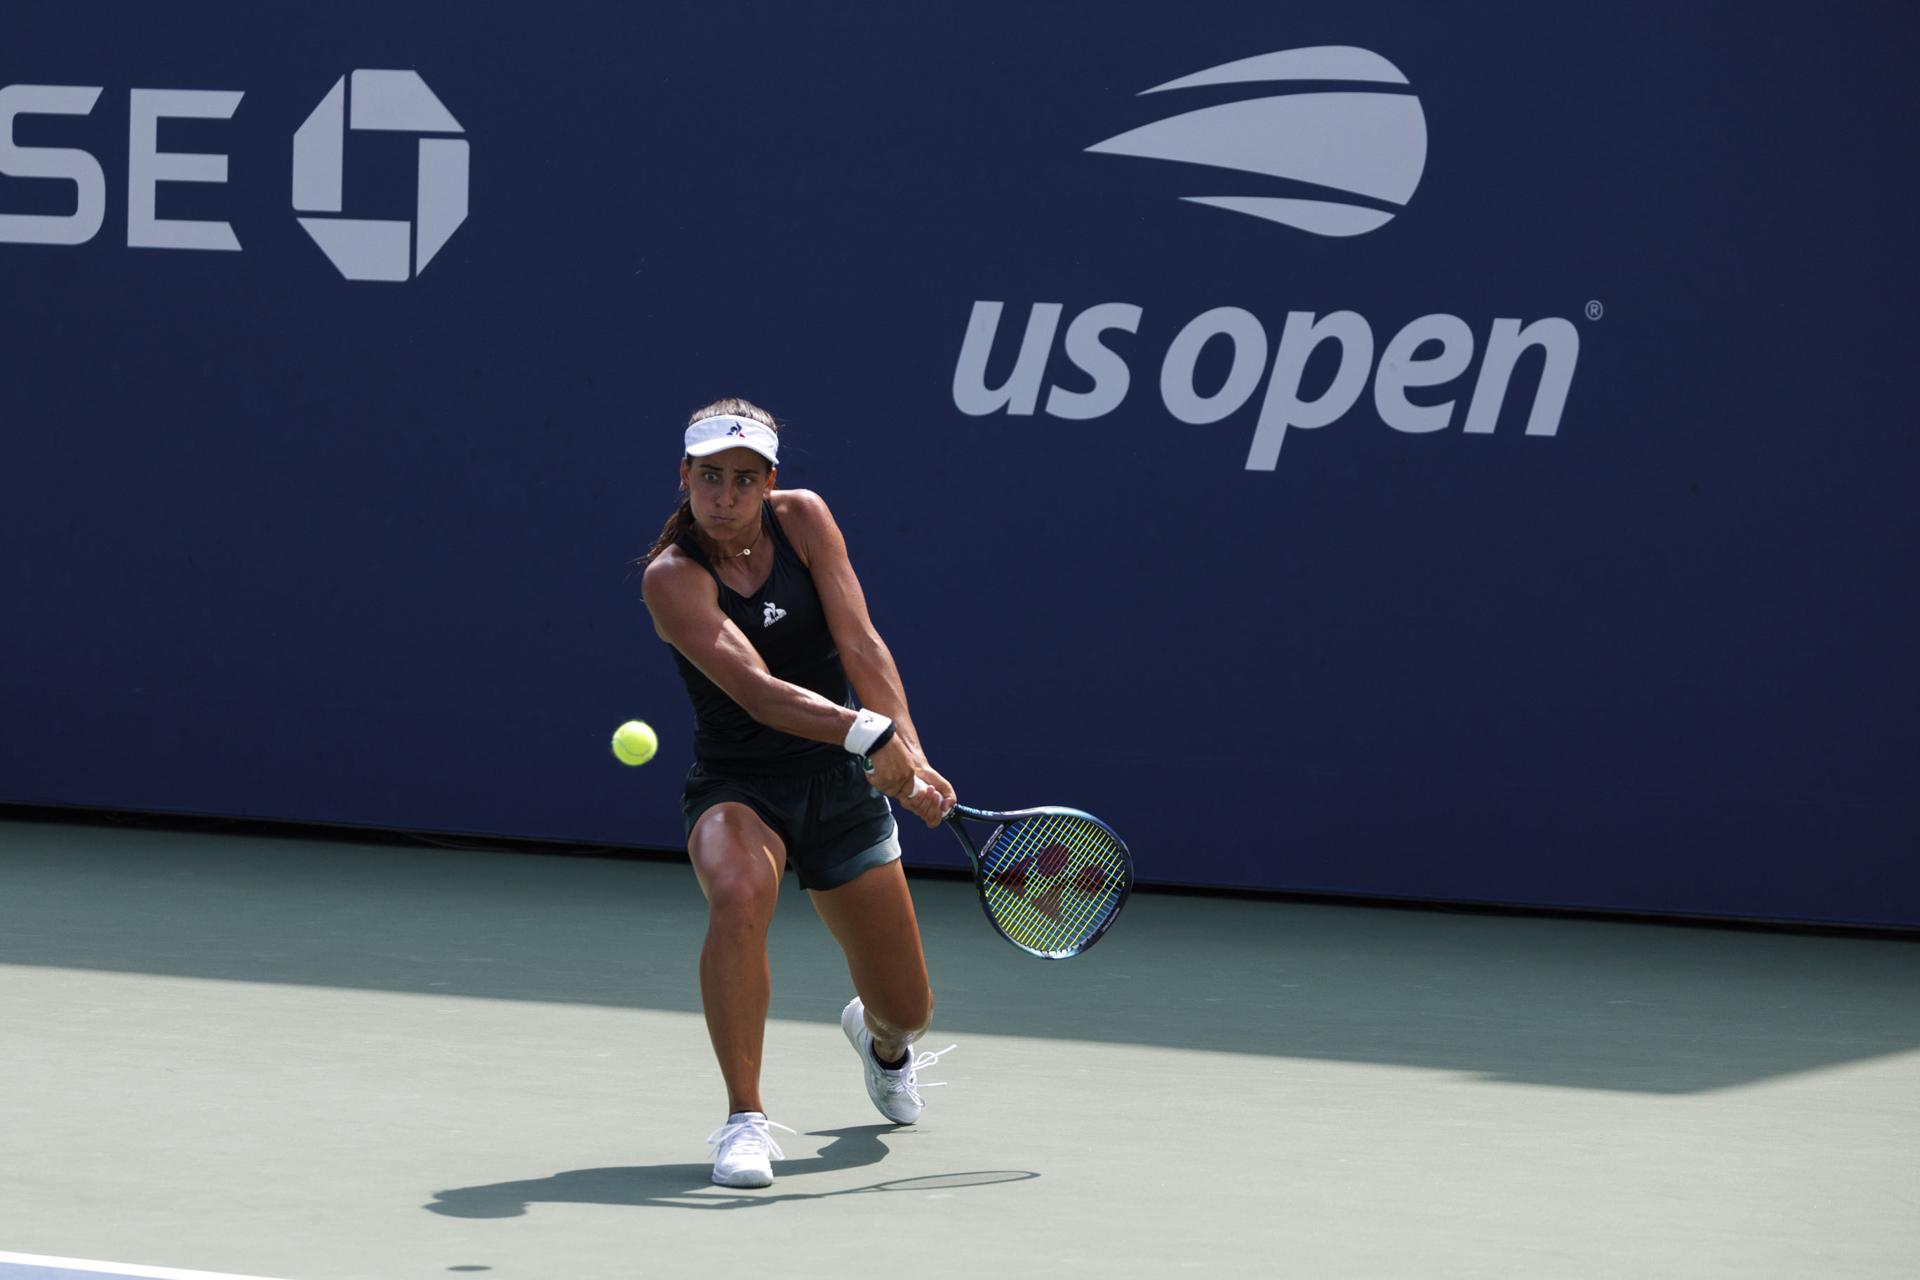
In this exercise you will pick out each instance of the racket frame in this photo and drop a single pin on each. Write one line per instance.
(1000, 819)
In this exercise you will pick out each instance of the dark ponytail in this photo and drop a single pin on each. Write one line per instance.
(677, 524)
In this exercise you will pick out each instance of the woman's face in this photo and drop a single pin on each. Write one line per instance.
(726, 490)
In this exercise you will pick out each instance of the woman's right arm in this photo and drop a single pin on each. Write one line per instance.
(687, 615)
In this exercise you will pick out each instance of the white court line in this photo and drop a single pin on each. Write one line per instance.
(114, 1268)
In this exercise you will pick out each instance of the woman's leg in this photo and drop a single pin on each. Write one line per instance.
(872, 919)
(739, 861)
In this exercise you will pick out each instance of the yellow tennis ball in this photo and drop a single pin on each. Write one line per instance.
(634, 742)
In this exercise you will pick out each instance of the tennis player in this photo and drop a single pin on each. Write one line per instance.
(752, 588)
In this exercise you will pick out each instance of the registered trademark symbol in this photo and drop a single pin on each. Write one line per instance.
(1595, 310)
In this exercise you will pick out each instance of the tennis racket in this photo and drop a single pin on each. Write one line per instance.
(1051, 880)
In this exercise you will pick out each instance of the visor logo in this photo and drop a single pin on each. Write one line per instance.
(380, 248)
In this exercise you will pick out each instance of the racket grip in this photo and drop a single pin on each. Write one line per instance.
(920, 786)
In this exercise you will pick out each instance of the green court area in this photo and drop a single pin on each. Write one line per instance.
(326, 1060)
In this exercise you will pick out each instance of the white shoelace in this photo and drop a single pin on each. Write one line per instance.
(907, 1081)
(749, 1135)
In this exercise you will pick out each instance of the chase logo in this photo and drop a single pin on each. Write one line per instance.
(380, 248)
(360, 248)
(1357, 154)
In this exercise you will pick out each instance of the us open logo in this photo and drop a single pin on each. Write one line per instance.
(1368, 145)
(380, 248)
(1343, 162)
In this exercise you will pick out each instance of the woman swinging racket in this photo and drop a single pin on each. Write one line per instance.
(753, 589)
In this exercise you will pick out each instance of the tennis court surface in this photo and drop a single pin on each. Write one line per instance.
(321, 1060)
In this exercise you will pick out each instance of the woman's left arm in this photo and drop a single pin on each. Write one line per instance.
(868, 662)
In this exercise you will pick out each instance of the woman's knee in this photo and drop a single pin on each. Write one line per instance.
(741, 897)
(902, 1015)
(738, 862)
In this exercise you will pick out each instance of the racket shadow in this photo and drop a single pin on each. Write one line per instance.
(690, 1186)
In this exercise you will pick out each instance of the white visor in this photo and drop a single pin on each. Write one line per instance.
(724, 431)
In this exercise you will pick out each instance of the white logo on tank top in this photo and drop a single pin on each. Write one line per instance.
(774, 614)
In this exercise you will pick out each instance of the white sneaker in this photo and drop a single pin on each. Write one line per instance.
(895, 1092)
(743, 1150)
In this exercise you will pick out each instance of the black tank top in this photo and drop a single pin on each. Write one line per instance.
(786, 624)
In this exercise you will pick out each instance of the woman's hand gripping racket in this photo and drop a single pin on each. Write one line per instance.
(1051, 880)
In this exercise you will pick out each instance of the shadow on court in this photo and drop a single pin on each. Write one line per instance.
(1566, 1002)
(690, 1186)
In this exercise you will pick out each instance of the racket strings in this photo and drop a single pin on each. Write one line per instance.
(1052, 881)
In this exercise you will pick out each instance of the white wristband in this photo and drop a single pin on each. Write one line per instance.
(868, 728)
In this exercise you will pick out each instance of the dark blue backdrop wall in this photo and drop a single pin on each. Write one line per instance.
(1458, 452)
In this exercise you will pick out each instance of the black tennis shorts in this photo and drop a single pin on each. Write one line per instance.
(834, 824)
